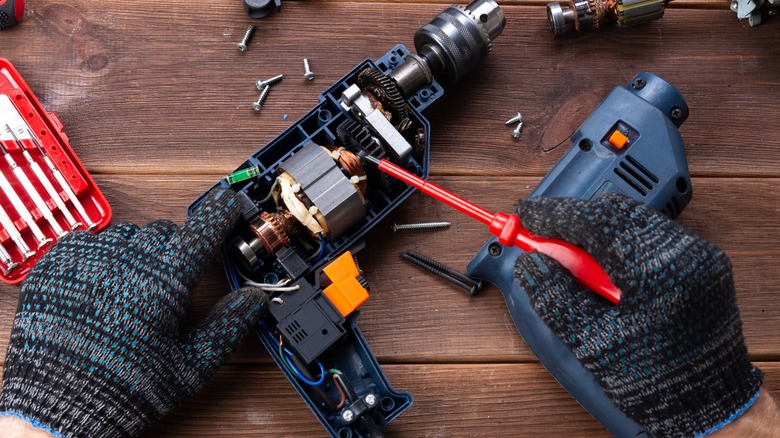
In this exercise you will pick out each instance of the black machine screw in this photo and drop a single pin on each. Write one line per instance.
(457, 278)
(495, 250)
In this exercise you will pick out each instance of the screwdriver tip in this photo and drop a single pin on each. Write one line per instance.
(371, 159)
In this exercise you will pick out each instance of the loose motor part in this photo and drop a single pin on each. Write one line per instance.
(582, 15)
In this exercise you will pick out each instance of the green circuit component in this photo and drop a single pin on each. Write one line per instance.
(243, 175)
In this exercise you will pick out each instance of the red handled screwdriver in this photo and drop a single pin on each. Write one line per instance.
(510, 231)
(11, 13)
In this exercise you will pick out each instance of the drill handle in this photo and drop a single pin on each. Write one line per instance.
(511, 232)
(495, 263)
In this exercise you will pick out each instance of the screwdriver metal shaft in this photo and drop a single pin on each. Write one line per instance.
(32, 192)
(72, 222)
(44, 180)
(10, 228)
(6, 259)
(64, 184)
(21, 209)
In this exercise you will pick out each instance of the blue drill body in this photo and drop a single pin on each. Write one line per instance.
(650, 167)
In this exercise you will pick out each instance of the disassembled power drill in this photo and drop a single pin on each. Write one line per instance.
(308, 202)
(630, 144)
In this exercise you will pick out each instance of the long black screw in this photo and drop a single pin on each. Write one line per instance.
(457, 278)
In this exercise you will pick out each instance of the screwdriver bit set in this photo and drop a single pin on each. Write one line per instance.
(45, 191)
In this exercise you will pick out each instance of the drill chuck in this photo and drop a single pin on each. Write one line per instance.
(451, 45)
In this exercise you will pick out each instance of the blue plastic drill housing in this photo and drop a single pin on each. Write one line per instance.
(317, 337)
(650, 167)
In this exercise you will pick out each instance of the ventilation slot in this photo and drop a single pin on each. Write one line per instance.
(296, 332)
(636, 175)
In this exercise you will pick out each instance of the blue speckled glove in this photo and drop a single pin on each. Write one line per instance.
(96, 348)
(671, 355)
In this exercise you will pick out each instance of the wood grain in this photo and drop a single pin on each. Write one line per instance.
(486, 400)
(127, 84)
(156, 101)
(436, 321)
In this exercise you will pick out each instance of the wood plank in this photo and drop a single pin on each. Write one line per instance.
(495, 400)
(155, 99)
(436, 321)
(129, 79)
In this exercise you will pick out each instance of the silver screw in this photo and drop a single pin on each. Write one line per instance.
(307, 73)
(263, 94)
(516, 132)
(348, 415)
(420, 226)
(514, 119)
(270, 81)
(370, 399)
(242, 44)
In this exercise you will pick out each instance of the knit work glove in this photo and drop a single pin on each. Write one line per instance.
(671, 354)
(96, 348)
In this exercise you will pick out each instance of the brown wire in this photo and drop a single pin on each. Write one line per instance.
(341, 391)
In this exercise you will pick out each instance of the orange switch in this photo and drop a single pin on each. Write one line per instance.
(346, 293)
(618, 139)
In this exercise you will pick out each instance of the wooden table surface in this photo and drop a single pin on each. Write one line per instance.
(156, 101)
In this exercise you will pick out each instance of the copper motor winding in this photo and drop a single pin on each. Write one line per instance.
(273, 229)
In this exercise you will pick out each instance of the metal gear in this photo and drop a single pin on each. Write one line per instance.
(388, 93)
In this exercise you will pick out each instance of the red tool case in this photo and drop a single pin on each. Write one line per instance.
(45, 191)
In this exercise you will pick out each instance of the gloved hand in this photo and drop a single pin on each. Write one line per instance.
(671, 354)
(96, 348)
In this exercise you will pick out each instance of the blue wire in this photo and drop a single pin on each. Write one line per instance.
(292, 366)
(233, 275)
(322, 248)
(300, 376)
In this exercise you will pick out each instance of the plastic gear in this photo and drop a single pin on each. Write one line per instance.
(357, 138)
(387, 92)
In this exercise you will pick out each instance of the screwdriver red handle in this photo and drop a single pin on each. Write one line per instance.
(511, 232)
(11, 13)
